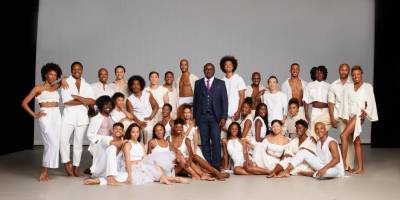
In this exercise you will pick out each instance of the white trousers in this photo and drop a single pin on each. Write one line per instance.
(50, 129)
(107, 164)
(319, 115)
(66, 132)
(314, 162)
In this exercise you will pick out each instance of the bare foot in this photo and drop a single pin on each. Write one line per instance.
(207, 177)
(91, 181)
(220, 177)
(283, 174)
(272, 175)
(181, 180)
(164, 180)
(225, 175)
(44, 176)
(358, 171)
(111, 181)
(68, 169)
(77, 173)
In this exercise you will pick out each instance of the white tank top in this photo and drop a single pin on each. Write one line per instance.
(168, 129)
(158, 148)
(250, 134)
(137, 151)
(182, 148)
(325, 155)
(141, 106)
(48, 96)
(263, 130)
(235, 149)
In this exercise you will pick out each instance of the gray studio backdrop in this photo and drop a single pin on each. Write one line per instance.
(265, 36)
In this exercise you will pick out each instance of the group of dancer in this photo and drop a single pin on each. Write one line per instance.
(206, 128)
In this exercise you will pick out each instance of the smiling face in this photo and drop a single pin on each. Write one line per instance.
(136, 87)
(184, 65)
(76, 71)
(178, 129)
(107, 108)
(234, 130)
(103, 76)
(263, 111)
(294, 71)
(300, 130)
(319, 75)
(166, 112)
(169, 79)
(246, 109)
(320, 129)
(159, 132)
(118, 131)
(357, 76)
(119, 73)
(273, 84)
(276, 128)
(293, 109)
(120, 102)
(256, 79)
(209, 71)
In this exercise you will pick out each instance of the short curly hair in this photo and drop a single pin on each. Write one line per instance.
(103, 100)
(50, 67)
(324, 71)
(136, 78)
(228, 58)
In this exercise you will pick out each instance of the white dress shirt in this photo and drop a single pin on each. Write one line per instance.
(99, 89)
(336, 96)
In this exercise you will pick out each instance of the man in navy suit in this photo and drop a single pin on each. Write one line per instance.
(210, 110)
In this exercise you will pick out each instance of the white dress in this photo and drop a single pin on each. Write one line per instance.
(267, 155)
(191, 136)
(235, 151)
(148, 170)
(250, 134)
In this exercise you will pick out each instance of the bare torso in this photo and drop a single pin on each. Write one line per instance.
(255, 96)
(185, 88)
(297, 89)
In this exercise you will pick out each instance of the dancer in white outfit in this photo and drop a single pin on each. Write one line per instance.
(295, 86)
(139, 168)
(237, 148)
(142, 105)
(269, 153)
(120, 85)
(276, 101)
(101, 87)
(167, 119)
(316, 97)
(327, 162)
(246, 125)
(362, 106)
(190, 129)
(337, 104)
(119, 113)
(261, 122)
(255, 91)
(289, 128)
(159, 92)
(185, 84)
(105, 164)
(100, 125)
(195, 164)
(172, 92)
(77, 98)
(49, 116)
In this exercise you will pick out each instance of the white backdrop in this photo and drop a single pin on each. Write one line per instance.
(265, 36)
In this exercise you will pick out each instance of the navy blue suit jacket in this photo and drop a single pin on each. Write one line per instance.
(219, 98)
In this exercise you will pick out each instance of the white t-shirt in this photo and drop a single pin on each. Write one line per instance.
(158, 94)
(98, 90)
(233, 85)
(277, 104)
(317, 91)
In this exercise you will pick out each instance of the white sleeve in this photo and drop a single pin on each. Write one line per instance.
(90, 93)
(372, 113)
(66, 95)
(306, 96)
(331, 95)
(91, 131)
(241, 84)
(285, 104)
(105, 141)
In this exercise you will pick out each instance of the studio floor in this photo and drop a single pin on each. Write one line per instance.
(19, 172)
